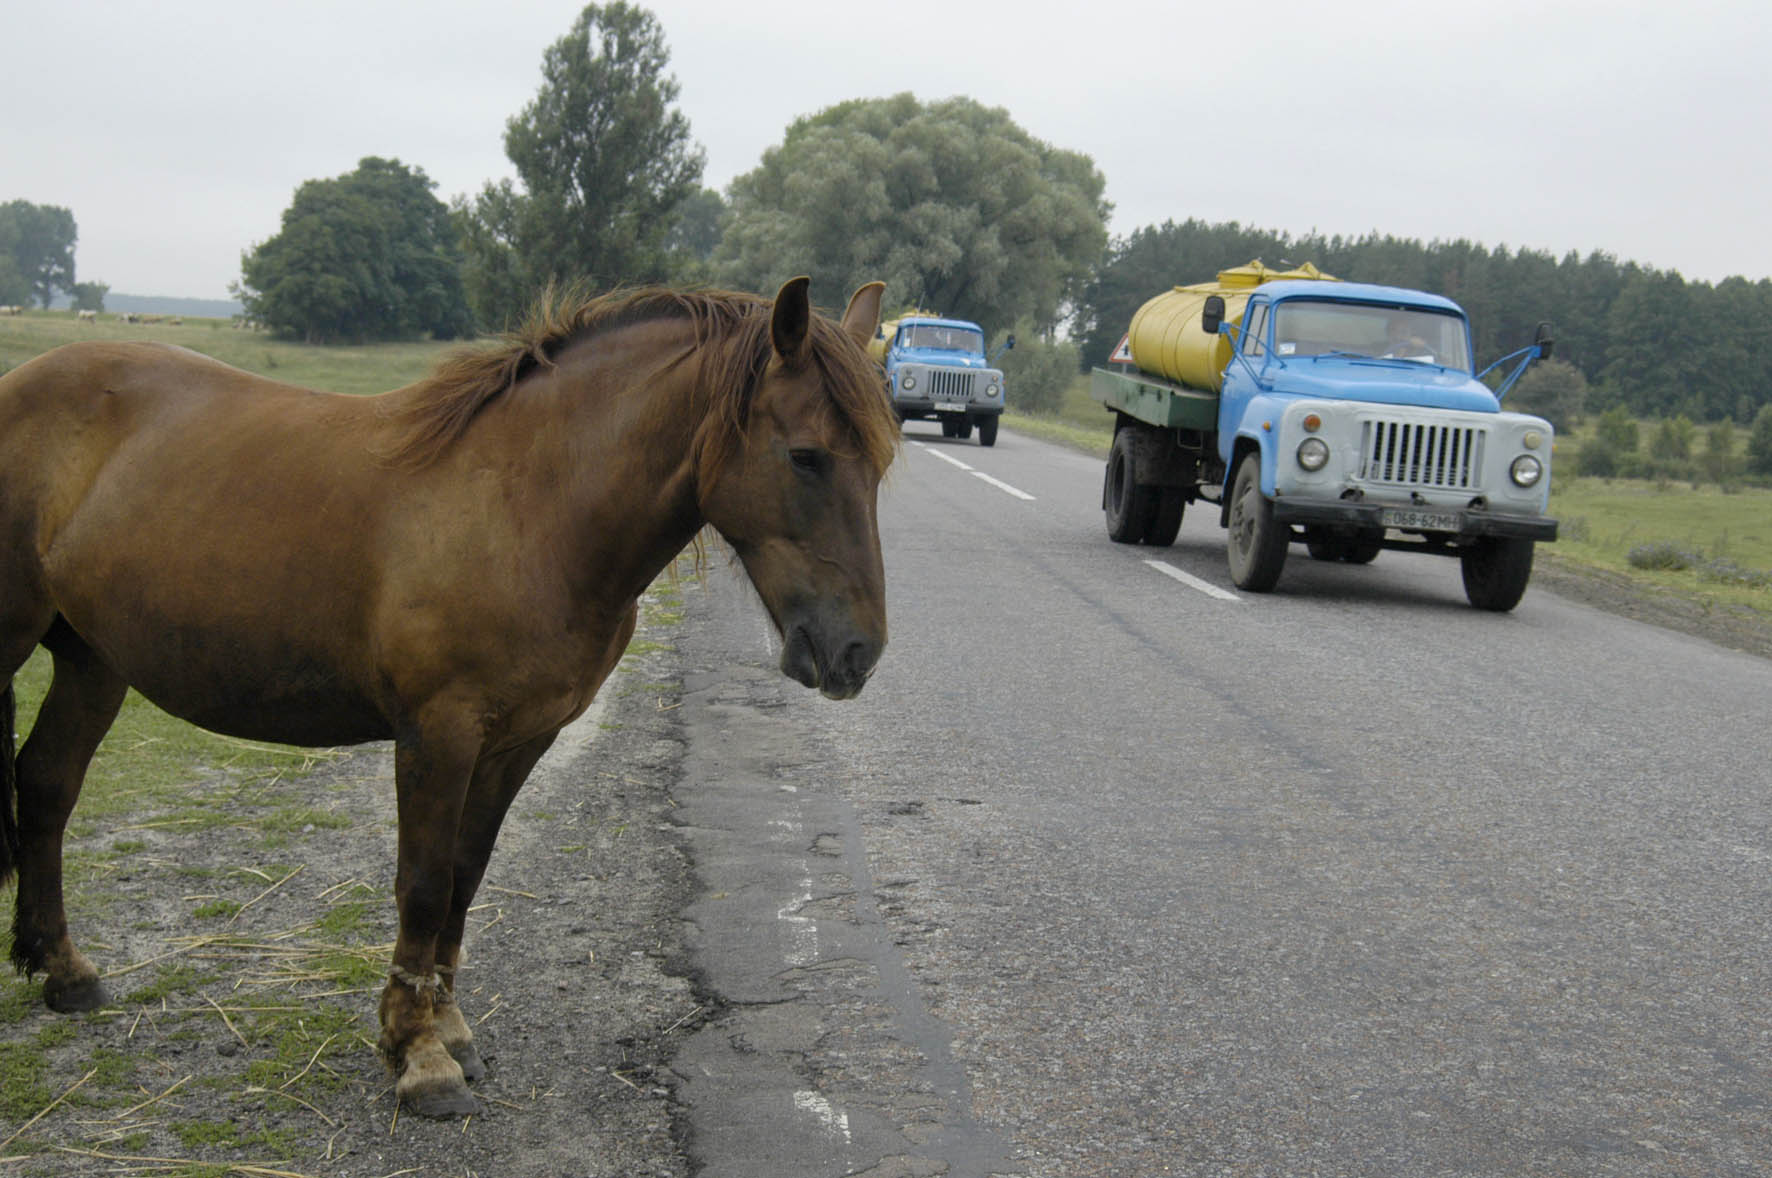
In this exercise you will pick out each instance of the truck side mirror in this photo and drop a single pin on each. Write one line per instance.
(1544, 340)
(1212, 314)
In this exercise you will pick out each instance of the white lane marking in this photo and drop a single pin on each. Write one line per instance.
(945, 457)
(1193, 582)
(975, 472)
(835, 1121)
(1002, 486)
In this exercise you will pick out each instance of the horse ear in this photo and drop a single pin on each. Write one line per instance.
(790, 327)
(863, 315)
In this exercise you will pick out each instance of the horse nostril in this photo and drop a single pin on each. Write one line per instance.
(858, 660)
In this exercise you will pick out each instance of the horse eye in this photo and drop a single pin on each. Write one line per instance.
(810, 461)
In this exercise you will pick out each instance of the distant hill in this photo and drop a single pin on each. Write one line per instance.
(164, 305)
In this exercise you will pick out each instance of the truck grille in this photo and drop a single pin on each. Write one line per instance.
(1410, 454)
(949, 386)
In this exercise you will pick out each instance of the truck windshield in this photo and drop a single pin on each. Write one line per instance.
(952, 339)
(1307, 328)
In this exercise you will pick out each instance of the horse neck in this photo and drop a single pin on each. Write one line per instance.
(625, 411)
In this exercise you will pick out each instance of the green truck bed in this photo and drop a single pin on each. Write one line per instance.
(1154, 400)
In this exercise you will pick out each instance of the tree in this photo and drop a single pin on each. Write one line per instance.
(1037, 372)
(1673, 439)
(701, 221)
(1759, 442)
(1553, 389)
(956, 207)
(1721, 462)
(605, 162)
(90, 296)
(371, 254)
(36, 251)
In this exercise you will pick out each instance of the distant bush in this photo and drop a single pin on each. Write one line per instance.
(1618, 430)
(1597, 460)
(1663, 556)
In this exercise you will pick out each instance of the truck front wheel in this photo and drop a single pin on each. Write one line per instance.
(1496, 570)
(1257, 547)
(987, 431)
(1129, 507)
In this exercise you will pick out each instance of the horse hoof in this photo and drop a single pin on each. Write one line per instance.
(441, 1103)
(73, 997)
(473, 1068)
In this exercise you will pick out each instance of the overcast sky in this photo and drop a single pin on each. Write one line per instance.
(177, 131)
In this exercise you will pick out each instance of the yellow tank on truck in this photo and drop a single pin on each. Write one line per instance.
(1166, 338)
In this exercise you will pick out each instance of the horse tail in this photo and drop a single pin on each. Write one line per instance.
(8, 787)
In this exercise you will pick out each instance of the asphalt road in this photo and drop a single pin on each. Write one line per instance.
(1115, 870)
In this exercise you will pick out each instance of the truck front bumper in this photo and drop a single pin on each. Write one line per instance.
(1466, 523)
(916, 407)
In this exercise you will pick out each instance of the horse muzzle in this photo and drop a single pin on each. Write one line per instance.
(838, 672)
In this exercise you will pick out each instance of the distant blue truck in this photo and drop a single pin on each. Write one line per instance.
(936, 369)
(1345, 417)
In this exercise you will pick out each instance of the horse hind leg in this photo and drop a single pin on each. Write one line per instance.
(83, 699)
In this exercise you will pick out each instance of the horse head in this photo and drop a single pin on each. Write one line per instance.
(796, 498)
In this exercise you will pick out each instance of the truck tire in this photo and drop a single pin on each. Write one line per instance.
(1257, 546)
(987, 431)
(1165, 521)
(1323, 545)
(1363, 549)
(1496, 570)
(1129, 506)
(1359, 549)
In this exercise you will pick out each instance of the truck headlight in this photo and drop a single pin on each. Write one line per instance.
(1526, 471)
(990, 390)
(1313, 454)
(908, 383)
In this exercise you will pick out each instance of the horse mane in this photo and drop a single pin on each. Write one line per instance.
(733, 344)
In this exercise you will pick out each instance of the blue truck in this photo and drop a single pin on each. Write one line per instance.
(1342, 416)
(936, 369)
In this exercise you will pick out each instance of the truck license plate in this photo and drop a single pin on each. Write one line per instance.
(1422, 521)
(950, 406)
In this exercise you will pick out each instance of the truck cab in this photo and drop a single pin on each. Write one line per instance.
(936, 369)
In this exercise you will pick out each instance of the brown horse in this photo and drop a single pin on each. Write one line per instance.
(454, 566)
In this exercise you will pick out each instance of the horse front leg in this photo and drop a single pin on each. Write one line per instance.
(83, 698)
(496, 782)
(432, 771)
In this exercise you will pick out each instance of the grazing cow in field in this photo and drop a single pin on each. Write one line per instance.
(12, 310)
(89, 316)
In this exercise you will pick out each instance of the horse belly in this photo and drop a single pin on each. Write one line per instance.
(255, 688)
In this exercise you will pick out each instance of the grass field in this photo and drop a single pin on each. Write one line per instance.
(369, 368)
